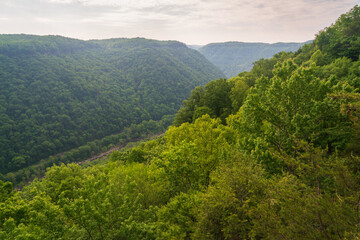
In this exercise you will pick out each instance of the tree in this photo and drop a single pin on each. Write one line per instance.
(194, 151)
(293, 105)
(343, 38)
(5, 190)
(217, 98)
(225, 208)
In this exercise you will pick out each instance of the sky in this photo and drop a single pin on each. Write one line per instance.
(189, 21)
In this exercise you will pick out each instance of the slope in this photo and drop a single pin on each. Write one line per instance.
(58, 93)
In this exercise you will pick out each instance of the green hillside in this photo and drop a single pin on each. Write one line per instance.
(279, 159)
(235, 57)
(58, 93)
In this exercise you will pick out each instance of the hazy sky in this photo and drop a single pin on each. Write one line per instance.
(189, 21)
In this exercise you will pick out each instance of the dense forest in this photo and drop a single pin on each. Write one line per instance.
(58, 93)
(235, 57)
(277, 159)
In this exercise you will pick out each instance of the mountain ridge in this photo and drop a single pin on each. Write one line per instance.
(233, 57)
(58, 93)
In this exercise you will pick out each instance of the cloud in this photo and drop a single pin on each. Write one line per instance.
(169, 9)
(61, 1)
(191, 21)
(48, 20)
(121, 3)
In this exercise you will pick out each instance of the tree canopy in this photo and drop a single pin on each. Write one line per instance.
(58, 93)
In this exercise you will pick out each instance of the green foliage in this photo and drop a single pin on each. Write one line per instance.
(221, 97)
(57, 94)
(96, 203)
(290, 106)
(186, 112)
(5, 190)
(343, 38)
(216, 97)
(136, 156)
(93, 148)
(304, 205)
(214, 100)
(195, 150)
(177, 218)
(225, 208)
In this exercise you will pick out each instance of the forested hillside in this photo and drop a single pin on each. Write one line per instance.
(58, 93)
(235, 57)
(278, 159)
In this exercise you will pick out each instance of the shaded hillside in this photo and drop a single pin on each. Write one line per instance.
(235, 57)
(58, 93)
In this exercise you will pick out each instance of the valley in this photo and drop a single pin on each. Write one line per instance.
(270, 153)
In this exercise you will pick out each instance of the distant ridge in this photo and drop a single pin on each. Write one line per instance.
(235, 57)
